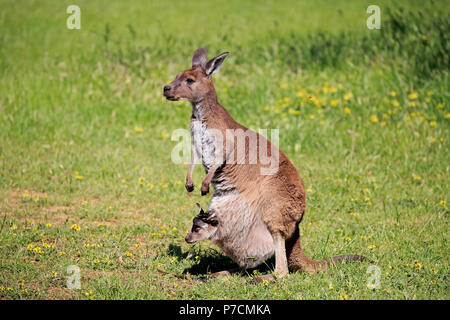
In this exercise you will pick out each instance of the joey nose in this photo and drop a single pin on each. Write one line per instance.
(166, 88)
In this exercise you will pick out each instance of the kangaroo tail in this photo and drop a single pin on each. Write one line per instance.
(348, 258)
(297, 260)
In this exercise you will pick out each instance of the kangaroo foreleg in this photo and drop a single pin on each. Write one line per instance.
(189, 183)
(208, 178)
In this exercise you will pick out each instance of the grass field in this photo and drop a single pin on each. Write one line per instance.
(86, 176)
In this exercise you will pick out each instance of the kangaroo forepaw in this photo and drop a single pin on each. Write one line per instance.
(189, 187)
(205, 189)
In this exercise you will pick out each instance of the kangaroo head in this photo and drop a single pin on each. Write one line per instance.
(203, 227)
(195, 83)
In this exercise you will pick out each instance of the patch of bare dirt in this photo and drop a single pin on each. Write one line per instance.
(57, 214)
(57, 293)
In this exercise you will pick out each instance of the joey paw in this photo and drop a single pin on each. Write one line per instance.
(218, 274)
(261, 279)
(201, 279)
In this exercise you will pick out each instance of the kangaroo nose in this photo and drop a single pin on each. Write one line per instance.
(166, 88)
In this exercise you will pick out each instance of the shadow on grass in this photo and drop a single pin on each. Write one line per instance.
(208, 261)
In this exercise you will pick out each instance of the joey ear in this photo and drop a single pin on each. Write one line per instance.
(201, 209)
(215, 63)
(199, 58)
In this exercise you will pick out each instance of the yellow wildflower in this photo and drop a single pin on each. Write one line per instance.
(413, 95)
(293, 111)
(334, 102)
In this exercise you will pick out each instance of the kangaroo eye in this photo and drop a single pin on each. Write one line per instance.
(190, 81)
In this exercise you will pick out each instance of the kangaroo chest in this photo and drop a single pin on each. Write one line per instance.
(203, 143)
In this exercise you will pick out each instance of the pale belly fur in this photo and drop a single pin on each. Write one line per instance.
(241, 233)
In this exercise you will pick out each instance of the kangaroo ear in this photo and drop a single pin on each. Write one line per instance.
(199, 58)
(214, 64)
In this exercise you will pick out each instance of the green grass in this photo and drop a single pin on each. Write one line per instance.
(85, 130)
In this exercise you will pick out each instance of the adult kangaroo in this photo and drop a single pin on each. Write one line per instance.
(251, 201)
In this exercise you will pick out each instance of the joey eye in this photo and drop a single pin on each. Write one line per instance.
(190, 81)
